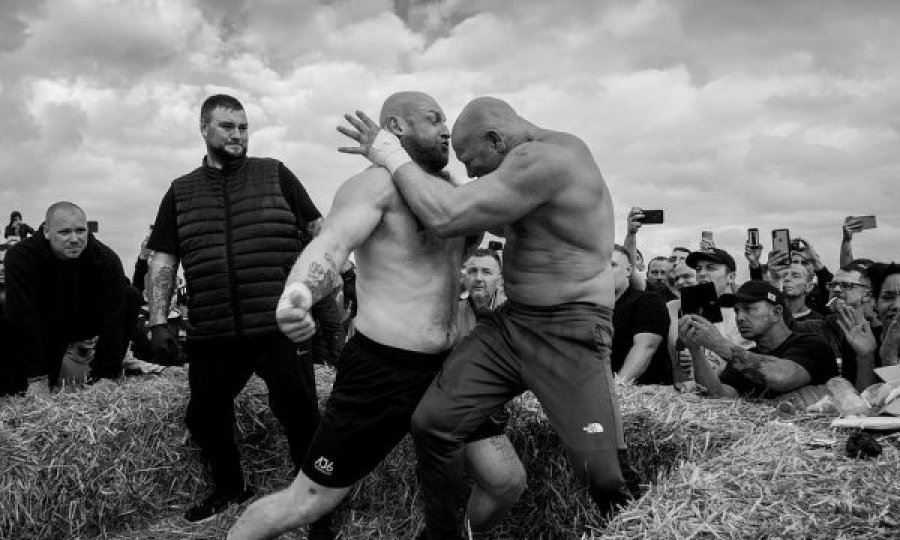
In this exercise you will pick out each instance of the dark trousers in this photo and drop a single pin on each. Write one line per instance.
(219, 370)
(561, 353)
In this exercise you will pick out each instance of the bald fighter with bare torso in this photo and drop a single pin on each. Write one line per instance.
(553, 336)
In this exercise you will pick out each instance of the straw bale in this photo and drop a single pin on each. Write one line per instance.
(118, 464)
(788, 478)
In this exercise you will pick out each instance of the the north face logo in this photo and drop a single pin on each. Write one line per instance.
(324, 465)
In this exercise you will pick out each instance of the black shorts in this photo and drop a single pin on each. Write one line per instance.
(375, 392)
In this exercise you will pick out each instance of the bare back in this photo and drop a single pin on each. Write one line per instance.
(407, 279)
(560, 251)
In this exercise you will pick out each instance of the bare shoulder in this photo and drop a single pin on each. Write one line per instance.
(554, 153)
(370, 186)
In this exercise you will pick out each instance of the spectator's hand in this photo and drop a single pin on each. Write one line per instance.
(856, 330)
(890, 342)
(753, 254)
(38, 386)
(293, 313)
(685, 361)
(695, 331)
(809, 253)
(690, 387)
(779, 260)
(706, 244)
(163, 344)
(635, 220)
(852, 226)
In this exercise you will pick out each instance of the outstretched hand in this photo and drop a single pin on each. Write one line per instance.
(382, 147)
(365, 131)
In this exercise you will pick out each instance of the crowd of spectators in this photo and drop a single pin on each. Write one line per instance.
(793, 324)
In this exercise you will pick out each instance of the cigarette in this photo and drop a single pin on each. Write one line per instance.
(828, 304)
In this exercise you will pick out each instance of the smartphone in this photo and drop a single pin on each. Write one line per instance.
(867, 222)
(93, 226)
(753, 237)
(701, 300)
(652, 217)
(781, 240)
(495, 245)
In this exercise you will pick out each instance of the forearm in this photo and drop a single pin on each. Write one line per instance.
(319, 266)
(888, 355)
(865, 371)
(636, 362)
(25, 320)
(630, 245)
(846, 251)
(161, 280)
(706, 377)
(434, 201)
(774, 373)
(111, 336)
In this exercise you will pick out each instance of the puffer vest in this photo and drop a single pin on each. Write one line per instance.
(238, 239)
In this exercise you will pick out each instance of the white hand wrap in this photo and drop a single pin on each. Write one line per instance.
(387, 151)
(286, 300)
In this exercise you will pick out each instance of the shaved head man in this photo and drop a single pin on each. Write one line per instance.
(542, 191)
(407, 280)
(65, 287)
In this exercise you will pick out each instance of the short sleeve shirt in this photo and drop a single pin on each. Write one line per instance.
(810, 352)
(638, 312)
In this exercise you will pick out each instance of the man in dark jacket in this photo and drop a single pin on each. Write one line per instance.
(236, 225)
(65, 286)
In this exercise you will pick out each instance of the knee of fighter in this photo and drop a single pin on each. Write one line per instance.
(510, 484)
(426, 422)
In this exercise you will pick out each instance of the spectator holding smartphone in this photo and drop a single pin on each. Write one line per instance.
(715, 266)
(781, 361)
(852, 225)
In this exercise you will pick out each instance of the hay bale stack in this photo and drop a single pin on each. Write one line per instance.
(85, 463)
(785, 479)
(117, 464)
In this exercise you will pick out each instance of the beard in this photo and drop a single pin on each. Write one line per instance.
(426, 153)
(225, 156)
(656, 286)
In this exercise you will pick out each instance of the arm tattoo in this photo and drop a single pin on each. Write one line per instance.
(314, 227)
(162, 285)
(749, 364)
(321, 278)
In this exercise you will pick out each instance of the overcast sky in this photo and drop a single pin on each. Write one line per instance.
(727, 114)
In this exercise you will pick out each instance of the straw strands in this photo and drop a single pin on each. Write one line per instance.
(118, 464)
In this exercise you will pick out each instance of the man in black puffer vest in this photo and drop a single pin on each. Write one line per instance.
(236, 224)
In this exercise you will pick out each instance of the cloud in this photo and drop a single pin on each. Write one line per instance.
(727, 114)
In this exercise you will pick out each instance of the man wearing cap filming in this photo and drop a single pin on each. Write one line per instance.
(780, 362)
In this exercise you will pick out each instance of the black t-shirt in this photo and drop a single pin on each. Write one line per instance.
(164, 237)
(808, 351)
(639, 312)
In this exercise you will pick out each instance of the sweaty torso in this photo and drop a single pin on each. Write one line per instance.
(407, 283)
(560, 252)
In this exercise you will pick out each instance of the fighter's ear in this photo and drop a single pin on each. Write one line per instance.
(395, 126)
(496, 141)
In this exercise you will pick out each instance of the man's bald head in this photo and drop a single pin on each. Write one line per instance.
(483, 114)
(403, 105)
(62, 206)
(420, 124)
(486, 130)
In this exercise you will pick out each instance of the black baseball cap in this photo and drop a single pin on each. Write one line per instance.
(754, 290)
(715, 255)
